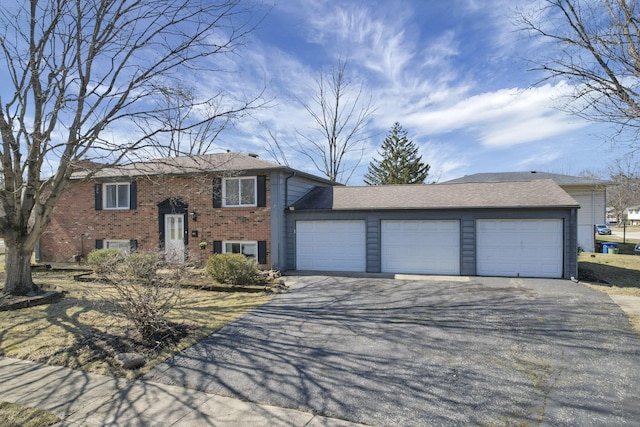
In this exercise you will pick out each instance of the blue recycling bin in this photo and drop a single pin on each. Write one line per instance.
(609, 245)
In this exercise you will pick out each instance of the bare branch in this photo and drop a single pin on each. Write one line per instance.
(594, 45)
(77, 71)
(340, 114)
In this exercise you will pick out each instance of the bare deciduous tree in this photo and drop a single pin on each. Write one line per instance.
(340, 114)
(627, 193)
(595, 46)
(191, 126)
(75, 70)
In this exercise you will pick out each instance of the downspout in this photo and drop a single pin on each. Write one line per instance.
(593, 218)
(284, 219)
(574, 255)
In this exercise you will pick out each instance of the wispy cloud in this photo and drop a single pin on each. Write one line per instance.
(502, 118)
(433, 82)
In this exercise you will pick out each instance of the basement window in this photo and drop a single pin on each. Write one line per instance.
(248, 249)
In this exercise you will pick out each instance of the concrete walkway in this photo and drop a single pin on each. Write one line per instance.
(629, 304)
(84, 399)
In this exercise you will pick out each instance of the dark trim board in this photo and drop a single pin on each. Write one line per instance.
(466, 217)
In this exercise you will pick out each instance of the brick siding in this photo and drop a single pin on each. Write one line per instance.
(76, 224)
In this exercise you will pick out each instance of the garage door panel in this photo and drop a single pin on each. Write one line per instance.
(330, 245)
(524, 247)
(420, 247)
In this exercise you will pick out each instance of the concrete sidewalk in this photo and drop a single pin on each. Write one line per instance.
(85, 399)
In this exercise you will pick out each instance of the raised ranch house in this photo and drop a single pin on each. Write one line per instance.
(233, 202)
(591, 194)
(290, 220)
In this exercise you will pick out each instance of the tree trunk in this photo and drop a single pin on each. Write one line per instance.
(18, 279)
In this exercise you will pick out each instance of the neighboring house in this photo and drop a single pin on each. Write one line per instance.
(291, 220)
(632, 215)
(589, 193)
(526, 228)
(233, 202)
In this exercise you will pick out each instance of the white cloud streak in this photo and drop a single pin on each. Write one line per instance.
(415, 77)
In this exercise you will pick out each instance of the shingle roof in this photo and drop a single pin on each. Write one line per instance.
(185, 165)
(521, 194)
(561, 180)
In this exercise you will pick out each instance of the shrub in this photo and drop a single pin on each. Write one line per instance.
(143, 266)
(142, 288)
(234, 269)
(104, 261)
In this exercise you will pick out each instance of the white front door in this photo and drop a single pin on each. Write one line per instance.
(174, 237)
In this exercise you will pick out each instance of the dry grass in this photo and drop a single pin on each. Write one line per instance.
(82, 332)
(613, 275)
(12, 415)
(617, 274)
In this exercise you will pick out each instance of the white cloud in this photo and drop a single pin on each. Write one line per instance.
(420, 78)
(444, 160)
(502, 118)
(546, 156)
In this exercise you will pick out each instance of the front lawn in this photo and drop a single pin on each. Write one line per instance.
(12, 415)
(625, 248)
(80, 331)
(612, 274)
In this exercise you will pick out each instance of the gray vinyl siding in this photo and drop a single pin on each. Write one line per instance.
(468, 245)
(286, 188)
(467, 219)
(373, 239)
(298, 186)
(276, 180)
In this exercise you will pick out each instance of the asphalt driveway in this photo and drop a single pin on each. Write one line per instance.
(484, 351)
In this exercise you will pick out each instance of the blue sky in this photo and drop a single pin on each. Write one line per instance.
(453, 73)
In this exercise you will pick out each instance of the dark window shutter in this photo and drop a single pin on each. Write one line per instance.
(98, 243)
(98, 191)
(133, 195)
(133, 245)
(262, 190)
(217, 246)
(217, 192)
(262, 251)
(185, 238)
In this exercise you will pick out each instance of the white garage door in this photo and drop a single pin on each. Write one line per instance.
(421, 247)
(526, 248)
(330, 245)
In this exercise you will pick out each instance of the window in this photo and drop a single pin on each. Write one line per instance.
(122, 245)
(248, 249)
(239, 191)
(116, 196)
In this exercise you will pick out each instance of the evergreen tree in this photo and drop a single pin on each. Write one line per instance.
(400, 163)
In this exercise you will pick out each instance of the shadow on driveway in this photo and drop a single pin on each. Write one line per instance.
(398, 352)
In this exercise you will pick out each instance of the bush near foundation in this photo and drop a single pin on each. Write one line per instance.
(104, 260)
(234, 269)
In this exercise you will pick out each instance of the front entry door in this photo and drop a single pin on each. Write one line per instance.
(174, 237)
